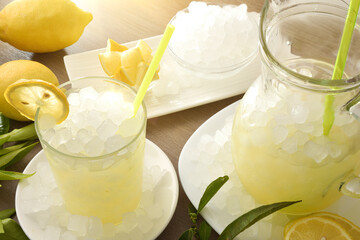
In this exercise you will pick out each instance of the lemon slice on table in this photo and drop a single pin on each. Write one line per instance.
(27, 96)
(350, 227)
(316, 228)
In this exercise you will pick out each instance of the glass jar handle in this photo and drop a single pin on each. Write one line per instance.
(353, 106)
(351, 187)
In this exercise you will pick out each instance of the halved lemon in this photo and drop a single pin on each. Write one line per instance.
(27, 96)
(316, 228)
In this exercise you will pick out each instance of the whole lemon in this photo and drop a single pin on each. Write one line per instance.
(42, 25)
(12, 71)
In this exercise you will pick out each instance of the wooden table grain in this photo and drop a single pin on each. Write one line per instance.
(124, 21)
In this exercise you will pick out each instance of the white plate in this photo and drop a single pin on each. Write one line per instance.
(193, 180)
(154, 156)
(88, 64)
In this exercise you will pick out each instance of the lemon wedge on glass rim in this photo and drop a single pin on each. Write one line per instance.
(27, 95)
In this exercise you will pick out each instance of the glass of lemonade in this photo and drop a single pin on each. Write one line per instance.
(97, 153)
(280, 150)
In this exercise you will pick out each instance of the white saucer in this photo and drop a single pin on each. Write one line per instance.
(154, 156)
(193, 181)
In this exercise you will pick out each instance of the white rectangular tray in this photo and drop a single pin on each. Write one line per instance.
(88, 64)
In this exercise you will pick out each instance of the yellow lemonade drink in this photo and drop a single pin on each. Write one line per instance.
(280, 152)
(97, 153)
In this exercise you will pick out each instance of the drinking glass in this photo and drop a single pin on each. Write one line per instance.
(103, 177)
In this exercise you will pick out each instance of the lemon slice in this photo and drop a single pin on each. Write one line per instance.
(128, 65)
(145, 50)
(27, 96)
(317, 228)
(113, 46)
(110, 61)
(350, 227)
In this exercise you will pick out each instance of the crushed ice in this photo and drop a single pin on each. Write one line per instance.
(207, 37)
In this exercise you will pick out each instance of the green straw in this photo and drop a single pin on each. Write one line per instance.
(153, 66)
(329, 113)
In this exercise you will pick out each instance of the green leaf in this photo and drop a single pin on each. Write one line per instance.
(3, 139)
(8, 175)
(211, 190)
(250, 218)
(14, 147)
(7, 213)
(187, 235)
(204, 231)
(14, 156)
(1, 228)
(12, 231)
(20, 134)
(4, 124)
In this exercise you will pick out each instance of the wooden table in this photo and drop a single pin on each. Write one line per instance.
(124, 21)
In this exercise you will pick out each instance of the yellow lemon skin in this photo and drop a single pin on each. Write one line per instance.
(42, 25)
(12, 71)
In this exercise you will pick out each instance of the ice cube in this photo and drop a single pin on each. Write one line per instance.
(48, 134)
(74, 146)
(145, 224)
(289, 145)
(68, 235)
(94, 118)
(220, 138)
(78, 224)
(52, 232)
(74, 99)
(315, 151)
(129, 220)
(299, 113)
(106, 129)
(88, 93)
(94, 147)
(84, 135)
(130, 127)
(280, 132)
(95, 228)
(109, 230)
(154, 211)
(114, 143)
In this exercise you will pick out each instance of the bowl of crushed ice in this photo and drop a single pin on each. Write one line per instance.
(214, 40)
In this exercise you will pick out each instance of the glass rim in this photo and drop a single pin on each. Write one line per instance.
(215, 70)
(347, 83)
(102, 156)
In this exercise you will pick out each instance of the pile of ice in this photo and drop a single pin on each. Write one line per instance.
(286, 118)
(41, 202)
(214, 159)
(98, 123)
(213, 36)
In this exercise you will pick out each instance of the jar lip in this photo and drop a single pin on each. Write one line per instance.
(99, 157)
(350, 83)
(238, 65)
